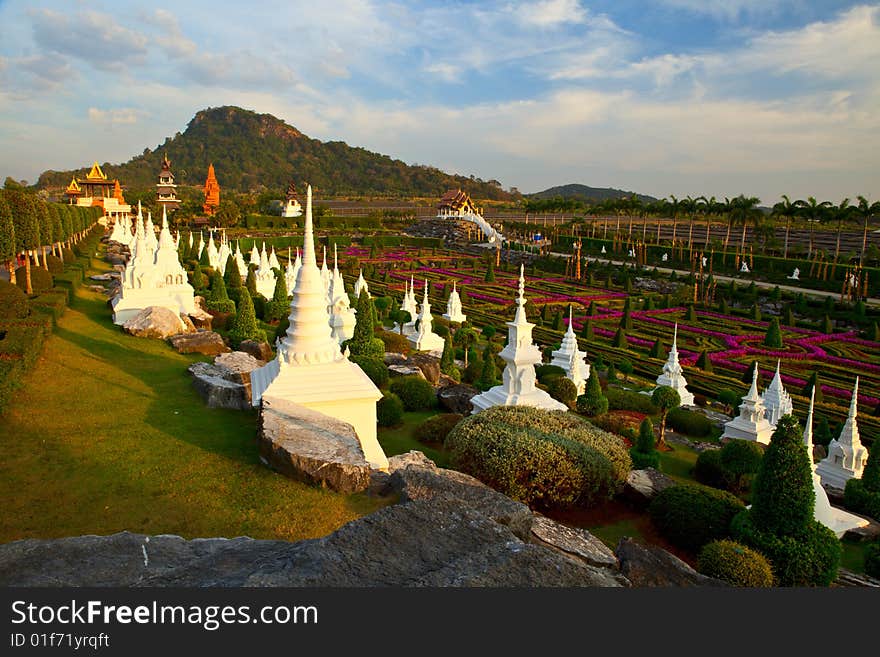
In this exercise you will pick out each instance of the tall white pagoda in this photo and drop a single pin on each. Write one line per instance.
(453, 307)
(265, 275)
(425, 339)
(292, 269)
(672, 374)
(360, 284)
(570, 358)
(751, 423)
(310, 369)
(153, 279)
(846, 455)
(777, 401)
(342, 315)
(520, 355)
(239, 261)
(837, 520)
(409, 305)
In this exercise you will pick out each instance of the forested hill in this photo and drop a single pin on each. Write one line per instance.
(584, 193)
(253, 151)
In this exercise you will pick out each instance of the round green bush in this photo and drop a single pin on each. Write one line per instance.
(690, 423)
(857, 498)
(742, 460)
(68, 255)
(41, 279)
(394, 342)
(374, 368)
(872, 559)
(562, 389)
(415, 392)
(709, 471)
(809, 558)
(691, 515)
(593, 402)
(542, 458)
(54, 264)
(627, 400)
(13, 301)
(543, 372)
(221, 306)
(642, 460)
(389, 410)
(735, 564)
(435, 429)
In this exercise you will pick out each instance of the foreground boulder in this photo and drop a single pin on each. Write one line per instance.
(643, 485)
(311, 447)
(200, 342)
(155, 322)
(428, 364)
(215, 385)
(650, 565)
(259, 350)
(457, 398)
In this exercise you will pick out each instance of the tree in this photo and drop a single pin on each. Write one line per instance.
(665, 398)
(400, 317)
(788, 211)
(827, 325)
(489, 373)
(447, 360)
(27, 228)
(490, 272)
(773, 337)
(611, 373)
(232, 277)
(865, 211)
(279, 306)
(7, 237)
(620, 340)
(704, 362)
(729, 399)
(813, 212)
(840, 214)
(626, 368)
(657, 349)
(251, 281)
(750, 372)
(465, 337)
(789, 320)
(645, 442)
(813, 383)
(593, 402)
(244, 325)
(587, 329)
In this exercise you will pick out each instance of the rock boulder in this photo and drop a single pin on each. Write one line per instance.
(650, 565)
(214, 384)
(259, 350)
(642, 485)
(155, 322)
(200, 342)
(457, 398)
(429, 365)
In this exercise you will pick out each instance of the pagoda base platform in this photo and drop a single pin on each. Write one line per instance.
(428, 342)
(740, 430)
(833, 475)
(499, 396)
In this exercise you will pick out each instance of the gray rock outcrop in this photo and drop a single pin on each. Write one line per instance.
(311, 447)
(642, 485)
(217, 388)
(457, 398)
(200, 342)
(650, 565)
(155, 322)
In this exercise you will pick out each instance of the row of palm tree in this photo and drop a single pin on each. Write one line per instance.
(743, 212)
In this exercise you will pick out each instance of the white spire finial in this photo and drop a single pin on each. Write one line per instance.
(753, 390)
(522, 285)
(426, 289)
(570, 320)
(164, 217)
(140, 212)
(335, 260)
(854, 403)
(808, 429)
(308, 252)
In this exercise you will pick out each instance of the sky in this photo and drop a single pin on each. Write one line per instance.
(683, 97)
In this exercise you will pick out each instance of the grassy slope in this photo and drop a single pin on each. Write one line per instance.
(108, 434)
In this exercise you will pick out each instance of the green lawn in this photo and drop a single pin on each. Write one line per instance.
(679, 463)
(401, 439)
(107, 434)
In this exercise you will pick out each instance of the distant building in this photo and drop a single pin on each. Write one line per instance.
(292, 207)
(457, 203)
(212, 192)
(97, 190)
(166, 190)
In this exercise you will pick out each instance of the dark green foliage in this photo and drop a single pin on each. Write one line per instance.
(490, 272)
(822, 432)
(231, 276)
(627, 400)
(827, 325)
(363, 341)
(593, 402)
(611, 373)
(54, 265)
(279, 306)
(691, 515)
(657, 349)
(557, 321)
(750, 373)
(434, 430)
(587, 330)
(542, 458)
(13, 301)
(723, 307)
(389, 410)
(414, 391)
(244, 326)
(447, 360)
(735, 564)
(7, 230)
(474, 368)
(649, 303)
(219, 300)
(562, 389)
(814, 382)
(591, 311)
(198, 279)
(665, 399)
(626, 368)
(773, 337)
(489, 373)
(703, 362)
(41, 279)
(863, 495)
(788, 318)
(690, 423)
(756, 312)
(393, 342)
(546, 372)
(644, 453)
(872, 559)
(24, 219)
(204, 260)
(691, 313)
(709, 471)
(620, 340)
(251, 282)
(626, 322)
(374, 368)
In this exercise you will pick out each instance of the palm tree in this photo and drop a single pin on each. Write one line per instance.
(840, 213)
(865, 210)
(689, 206)
(674, 208)
(813, 212)
(704, 207)
(725, 210)
(744, 212)
(788, 210)
(658, 209)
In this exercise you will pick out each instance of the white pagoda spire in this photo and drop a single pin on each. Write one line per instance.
(361, 284)
(255, 255)
(846, 455)
(751, 423)
(342, 317)
(310, 369)
(673, 375)
(520, 355)
(776, 399)
(453, 307)
(239, 261)
(425, 339)
(409, 305)
(569, 351)
(273, 260)
(265, 275)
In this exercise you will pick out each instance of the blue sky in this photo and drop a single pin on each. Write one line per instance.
(715, 97)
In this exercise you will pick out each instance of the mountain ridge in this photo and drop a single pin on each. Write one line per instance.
(581, 192)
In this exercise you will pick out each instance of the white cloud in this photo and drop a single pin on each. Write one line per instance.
(548, 13)
(730, 9)
(119, 116)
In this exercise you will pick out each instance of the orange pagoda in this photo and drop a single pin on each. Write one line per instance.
(212, 192)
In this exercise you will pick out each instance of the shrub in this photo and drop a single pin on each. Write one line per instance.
(394, 342)
(643, 452)
(542, 458)
(41, 280)
(709, 471)
(434, 430)
(226, 306)
(773, 337)
(562, 389)
(543, 372)
(872, 559)
(374, 368)
(742, 460)
(54, 264)
(735, 564)
(690, 423)
(691, 515)
(626, 400)
(858, 499)
(389, 410)
(68, 255)
(13, 301)
(244, 325)
(592, 402)
(414, 391)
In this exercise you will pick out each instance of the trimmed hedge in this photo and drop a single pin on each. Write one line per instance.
(374, 368)
(691, 515)
(872, 559)
(690, 423)
(710, 471)
(542, 458)
(859, 499)
(394, 342)
(434, 430)
(735, 564)
(389, 410)
(13, 301)
(41, 279)
(53, 303)
(626, 400)
(415, 392)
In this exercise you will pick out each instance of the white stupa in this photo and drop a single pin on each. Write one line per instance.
(342, 315)
(673, 376)
(453, 307)
(569, 353)
(153, 279)
(190, 244)
(273, 260)
(213, 252)
(846, 455)
(309, 368)
(360, 284)
(777, 401)
(239, 262)
(223, 253)
(265, 276)
(201, 245)
(425, 339)
(409, 305)
(837, 520)
(751, 423)
(118, 234)
(521, 355)
(150, 234)
(326, 276)
(255, 256)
